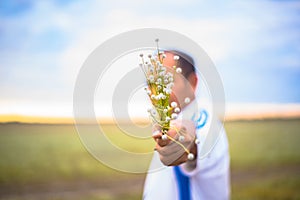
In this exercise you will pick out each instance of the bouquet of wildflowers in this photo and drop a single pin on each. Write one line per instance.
(160, 83)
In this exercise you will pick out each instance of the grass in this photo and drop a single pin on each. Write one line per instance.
(50, 162)
(264, 143)
(265, 159)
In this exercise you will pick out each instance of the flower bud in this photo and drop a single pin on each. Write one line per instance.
(174, 115)
(179, 70)
(173, 104)
(176, 57)
(187, 100)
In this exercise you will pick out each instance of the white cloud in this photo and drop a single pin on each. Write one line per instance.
(215, 36)
(242, 30)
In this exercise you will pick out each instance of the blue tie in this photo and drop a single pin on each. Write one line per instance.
(183, 183)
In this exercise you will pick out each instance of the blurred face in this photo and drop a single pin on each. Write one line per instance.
(183, 87)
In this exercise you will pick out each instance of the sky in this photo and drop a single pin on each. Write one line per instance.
(255, 46)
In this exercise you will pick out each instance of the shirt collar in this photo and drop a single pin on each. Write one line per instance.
(188, 111)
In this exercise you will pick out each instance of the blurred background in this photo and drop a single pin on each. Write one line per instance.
(255, 46)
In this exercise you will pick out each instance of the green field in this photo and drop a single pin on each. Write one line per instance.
(50, 162)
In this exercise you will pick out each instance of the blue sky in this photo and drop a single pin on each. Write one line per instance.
(254, 44)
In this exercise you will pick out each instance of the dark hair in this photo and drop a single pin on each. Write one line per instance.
(185, 62)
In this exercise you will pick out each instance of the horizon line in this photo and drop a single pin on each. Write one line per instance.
(233, 111)
(137, 120)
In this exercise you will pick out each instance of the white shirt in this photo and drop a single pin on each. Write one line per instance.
(208, 181)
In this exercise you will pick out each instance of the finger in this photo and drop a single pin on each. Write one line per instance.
(182, 130)
(170, 150)
(162, 142)
(180, 160)
(172, 133)
(156, 134)
(169, 157)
